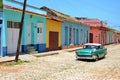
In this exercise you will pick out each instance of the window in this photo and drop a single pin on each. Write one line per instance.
(74, 35)
(97, 47)
(0, 21)
(12, 24)
(89, 47)
(87, 37)
(77, 38)
(39, 30)
(66, 35)
(81, 36)
(70, 36)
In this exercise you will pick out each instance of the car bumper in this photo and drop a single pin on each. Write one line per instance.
(92, 57)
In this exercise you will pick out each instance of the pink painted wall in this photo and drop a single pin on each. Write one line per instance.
(96, 34)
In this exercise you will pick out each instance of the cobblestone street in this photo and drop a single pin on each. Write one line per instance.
(64, 66)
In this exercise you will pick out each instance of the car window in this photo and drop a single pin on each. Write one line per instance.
(89, 47)
(101, 47)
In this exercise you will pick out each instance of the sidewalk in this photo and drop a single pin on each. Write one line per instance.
(30, 57)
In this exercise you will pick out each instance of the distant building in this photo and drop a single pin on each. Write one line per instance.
(73, 33)
(99, 32)
(53, 33)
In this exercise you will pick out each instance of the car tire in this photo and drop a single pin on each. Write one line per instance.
(97, 58)
(104, 56)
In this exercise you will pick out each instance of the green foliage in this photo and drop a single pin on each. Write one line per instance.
(13, 63)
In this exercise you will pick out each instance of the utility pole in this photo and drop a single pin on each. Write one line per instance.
(20, 33)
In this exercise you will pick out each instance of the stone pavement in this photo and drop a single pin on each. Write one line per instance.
(30, 57)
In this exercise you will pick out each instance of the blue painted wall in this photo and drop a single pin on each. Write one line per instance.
(13, 15)
(79, 33)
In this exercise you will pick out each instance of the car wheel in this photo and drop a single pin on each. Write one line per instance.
(104, 56)
(97, 58)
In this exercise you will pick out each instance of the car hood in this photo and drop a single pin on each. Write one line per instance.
(85, 51)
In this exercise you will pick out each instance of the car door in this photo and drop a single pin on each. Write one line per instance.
(101, 52)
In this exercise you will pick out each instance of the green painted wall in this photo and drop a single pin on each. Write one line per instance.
(110, 37)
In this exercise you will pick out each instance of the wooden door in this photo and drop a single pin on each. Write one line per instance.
(91, 37)
(53, 40)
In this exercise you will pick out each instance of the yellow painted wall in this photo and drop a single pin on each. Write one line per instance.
(55, 26)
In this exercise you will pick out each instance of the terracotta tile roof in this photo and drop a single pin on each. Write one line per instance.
(54, 18)
(64, 16)
(60, 15)
(93, 22)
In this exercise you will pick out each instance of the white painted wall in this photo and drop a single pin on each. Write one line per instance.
(12, 40)
(40, 33)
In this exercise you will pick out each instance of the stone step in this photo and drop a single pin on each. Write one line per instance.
(32, 52)
(30, 47)
(29, 50)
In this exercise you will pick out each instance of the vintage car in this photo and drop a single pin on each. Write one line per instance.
(93, 51)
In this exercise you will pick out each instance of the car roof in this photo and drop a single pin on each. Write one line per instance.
(96, 44)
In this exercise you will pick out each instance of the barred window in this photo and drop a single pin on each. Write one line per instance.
(12, 24)
(40, 28)
(0, 21)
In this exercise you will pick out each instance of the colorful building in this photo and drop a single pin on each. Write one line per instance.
(118, 36)
(98, 30)
(53, 33)
(110, 37)
(34, 28)
(73, 33)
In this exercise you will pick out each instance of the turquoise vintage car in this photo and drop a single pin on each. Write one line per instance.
(91, 51)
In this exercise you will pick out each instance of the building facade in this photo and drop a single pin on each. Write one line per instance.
(53, 34)
(98, 30)
(34, 28)
(73, 33)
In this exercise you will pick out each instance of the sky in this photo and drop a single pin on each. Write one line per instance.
(105, 10)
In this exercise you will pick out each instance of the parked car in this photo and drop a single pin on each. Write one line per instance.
(93, 51)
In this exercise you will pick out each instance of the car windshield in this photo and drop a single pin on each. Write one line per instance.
(89, 47)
